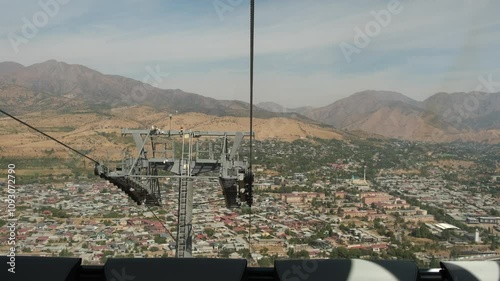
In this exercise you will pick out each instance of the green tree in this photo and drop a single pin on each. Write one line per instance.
(494, 243)
(245, 253)
(160, 240)
(446, 234)
(108, 253)
(343, 228)
(264, 251)
(265, 262)
(303, 254)
(494, 212)
(224, 253)
(343, 252)
(454, 253)
(65, 253)
(209, 231)
(434, 263)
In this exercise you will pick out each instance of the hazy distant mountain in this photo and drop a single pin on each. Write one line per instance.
(92, 88)
(274, 107)
(465, 116)
(9, 67)
(60, 86)
(348, 111)
(18, 100)
(476, 110)
(82, 83)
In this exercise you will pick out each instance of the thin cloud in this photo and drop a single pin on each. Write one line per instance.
(430, 46)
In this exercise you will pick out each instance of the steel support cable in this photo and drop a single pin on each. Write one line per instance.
(52, 138)
(252, 14)
(208, 202)
(251, 78)
(157, 218)
(79, 153)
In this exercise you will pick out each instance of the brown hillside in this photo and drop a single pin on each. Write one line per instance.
(84, 131)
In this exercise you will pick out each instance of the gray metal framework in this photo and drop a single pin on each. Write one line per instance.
(179, 154)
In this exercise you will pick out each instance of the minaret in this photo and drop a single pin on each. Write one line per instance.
(364, 174)
(477, 238)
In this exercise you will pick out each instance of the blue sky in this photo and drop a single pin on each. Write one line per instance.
(426, 47)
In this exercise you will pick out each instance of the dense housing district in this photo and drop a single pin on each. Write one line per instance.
(372, 199)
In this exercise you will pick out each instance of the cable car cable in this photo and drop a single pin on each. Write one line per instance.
(79, 153)
(252, 14)
(168, 231)
(52, 138)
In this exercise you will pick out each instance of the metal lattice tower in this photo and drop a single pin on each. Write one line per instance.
(139, 176)
(185, 201)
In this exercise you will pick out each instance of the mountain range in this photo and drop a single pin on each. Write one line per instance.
(471, 116)
(79, 86)
(67, 88)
